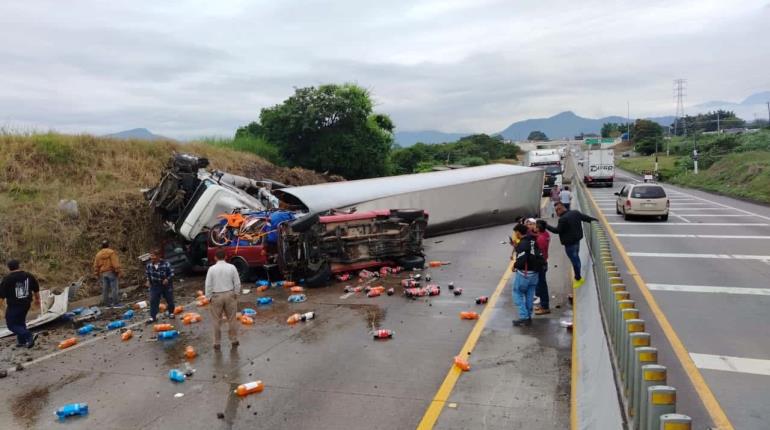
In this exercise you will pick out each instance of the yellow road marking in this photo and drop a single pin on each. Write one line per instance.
(573, 421)
(701, 388)
(442, 395)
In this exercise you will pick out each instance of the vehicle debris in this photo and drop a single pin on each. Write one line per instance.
(71, 410)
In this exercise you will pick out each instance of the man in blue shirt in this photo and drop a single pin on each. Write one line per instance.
(160, 282)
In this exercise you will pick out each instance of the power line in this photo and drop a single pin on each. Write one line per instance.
(680, 88)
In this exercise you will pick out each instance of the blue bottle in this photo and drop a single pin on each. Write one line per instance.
(71, 410)
(116, 324)
(264, 300)
(170, 334)
(263, 283)
(249, 312)
(128, 315)
(78, 311)
(176, 375)
(88, 328)
(297, 298)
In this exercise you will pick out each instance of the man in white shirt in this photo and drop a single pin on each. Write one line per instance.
(565, 197)
(223, 284)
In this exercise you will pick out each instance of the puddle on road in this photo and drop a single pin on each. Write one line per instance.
(26, 407)
(373, 314)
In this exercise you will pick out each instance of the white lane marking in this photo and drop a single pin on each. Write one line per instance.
(709, 289)
(726, 363)
(702, 208)
(346, 295)
(680, 217)
(687, 255)
(664, 224)
(718, 215)
(691, 236)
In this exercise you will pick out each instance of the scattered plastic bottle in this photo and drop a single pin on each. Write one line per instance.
(462, 364)
(249, 388)
(68, 343)
(264, 301)
(417, 277)
(383, 334)
(247, 320)
(289, 284)
(433, 290)
(297, 289)
(451, 286)
(140, 305)
(176, 375)
(391, 291)
(297, 298)
(457, 291)
(178, 310)
(203, 301)
(71, 410)
(438, 263)
(170, 334)
(469, 315)
(343, 277)
(427, 277)
(249, 312)
(415, 292)
(162, 307)
(128, 334)
(295, 318)
(78, 311)
(189, 352)
(307, 316)
(373, 293)
(88, 328)
(482, 300)
(128, 314)
(116, 324)
(352, 289)
(188, 370)
(162, 327)
(263, 283)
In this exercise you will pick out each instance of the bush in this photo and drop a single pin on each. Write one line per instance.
(247, 143)
(54, 148)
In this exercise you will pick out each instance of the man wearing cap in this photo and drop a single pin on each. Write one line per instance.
(107, 270)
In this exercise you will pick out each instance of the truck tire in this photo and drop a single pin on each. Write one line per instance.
(244, 271)
(408, 215)
(412, 262)
(303, 224)
(320, 277)
(664, 217)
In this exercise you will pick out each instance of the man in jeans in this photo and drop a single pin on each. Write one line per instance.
(223, 284)
(527, 266)
(160, 282)
(570, 231)
(107, 270)
(543, 241)
(18, 288)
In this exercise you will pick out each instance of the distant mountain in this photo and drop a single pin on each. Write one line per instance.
(753, 106)
(567, 125)
(409, 138)
(138, 134)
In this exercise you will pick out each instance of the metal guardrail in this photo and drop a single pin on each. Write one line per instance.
(649, 403)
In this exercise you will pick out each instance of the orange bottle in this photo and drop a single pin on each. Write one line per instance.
(262, 288)
(197, 318)
(462, 364)
(162, 307)
(247, 320)
(128, 334)
(297, 289)
(189, 352)
(162, 327)
(469, 315)
(436, 264)
(294, 319)
(289, 284)
(249, 388)
(178, 310)
(378, 288)
(198, 293)
(187, 319)
(203, 301)
(68, 343)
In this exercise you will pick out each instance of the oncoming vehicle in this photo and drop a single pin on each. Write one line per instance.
(642, 200)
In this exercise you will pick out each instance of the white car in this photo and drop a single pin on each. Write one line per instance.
(642, 200)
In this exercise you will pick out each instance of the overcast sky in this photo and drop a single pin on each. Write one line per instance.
(205, 67)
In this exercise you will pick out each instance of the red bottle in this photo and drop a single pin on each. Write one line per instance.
(383, 334)
(482, 300)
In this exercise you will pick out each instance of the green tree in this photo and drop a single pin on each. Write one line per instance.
(648, 145)
(613, 129)
(537, 136)
(644, 129)
(329, 128)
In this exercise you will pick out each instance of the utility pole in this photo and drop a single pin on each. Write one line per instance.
(679, 94)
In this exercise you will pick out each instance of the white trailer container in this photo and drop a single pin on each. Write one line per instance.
(599, 167)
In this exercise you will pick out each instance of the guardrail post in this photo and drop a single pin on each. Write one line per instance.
(675, 422)
(617, 322)
(635, 340)
(630, 325)
(661, 400)
(643, 356)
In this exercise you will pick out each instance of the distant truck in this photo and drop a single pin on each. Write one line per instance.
(599, 167)
(548, 160)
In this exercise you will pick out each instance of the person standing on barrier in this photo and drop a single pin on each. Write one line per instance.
(529, 261)
(570, 231)
(543, 241)
(565, 197)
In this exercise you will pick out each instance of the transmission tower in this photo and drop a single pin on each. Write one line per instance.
(680, 89)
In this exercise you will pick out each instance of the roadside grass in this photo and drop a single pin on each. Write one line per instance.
(253, 145)
(104, 176)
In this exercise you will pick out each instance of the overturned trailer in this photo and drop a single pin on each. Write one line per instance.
(456, 200)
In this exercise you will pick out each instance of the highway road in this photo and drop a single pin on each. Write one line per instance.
(328, 373)
(708, 268)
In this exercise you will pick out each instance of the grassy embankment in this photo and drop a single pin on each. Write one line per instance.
(104, 176)
(743, 173)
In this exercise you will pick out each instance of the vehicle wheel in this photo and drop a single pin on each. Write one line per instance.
(617, 210)
(408, 215)
(304, 223)
(664, 217)
(244, 271)
(218, 236)
(320, 277)
(411, 262)
(626, 216)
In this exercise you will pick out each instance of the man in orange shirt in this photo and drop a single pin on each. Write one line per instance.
(107, 270)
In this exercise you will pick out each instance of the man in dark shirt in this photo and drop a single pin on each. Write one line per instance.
(160, 281)
(18, 288)
(529, 262)
(570, 231)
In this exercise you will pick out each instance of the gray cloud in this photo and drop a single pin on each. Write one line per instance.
(201, 68)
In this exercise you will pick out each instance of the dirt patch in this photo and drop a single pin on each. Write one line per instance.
(26, 407)
(373, 315)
